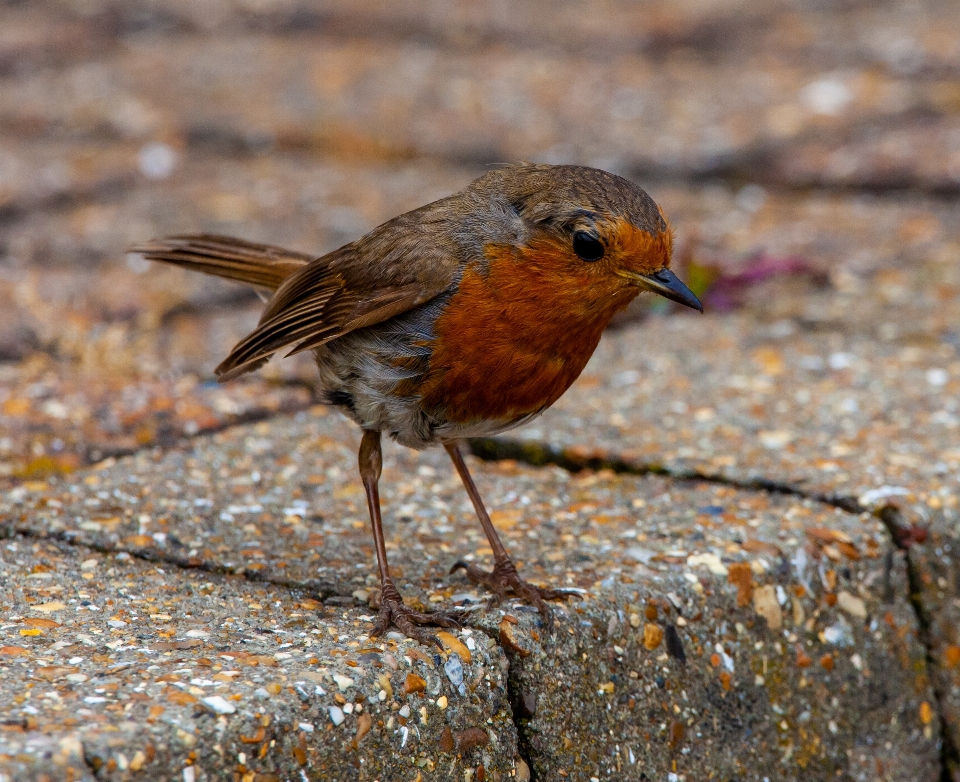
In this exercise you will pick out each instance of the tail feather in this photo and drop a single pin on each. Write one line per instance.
(235, 259)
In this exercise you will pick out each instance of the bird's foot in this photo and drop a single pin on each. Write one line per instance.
(409, 621)
(504, 579)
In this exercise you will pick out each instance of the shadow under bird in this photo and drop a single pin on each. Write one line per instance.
(463, 318)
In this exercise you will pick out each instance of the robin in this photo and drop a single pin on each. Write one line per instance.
(463, 318)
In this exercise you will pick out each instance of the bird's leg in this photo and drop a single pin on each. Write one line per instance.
(392, 610)
(504, 577)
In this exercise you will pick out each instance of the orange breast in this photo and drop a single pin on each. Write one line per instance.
(511, 341)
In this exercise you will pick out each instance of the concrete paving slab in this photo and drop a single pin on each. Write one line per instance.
(113, 668)
(720, 631)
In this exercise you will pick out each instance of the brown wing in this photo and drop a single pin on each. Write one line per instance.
(394, 268)
(327, 310)
(256, 264)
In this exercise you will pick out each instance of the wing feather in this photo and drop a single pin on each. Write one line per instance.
(261, 265)
(327, 311)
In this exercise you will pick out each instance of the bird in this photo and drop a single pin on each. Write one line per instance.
(466, 317)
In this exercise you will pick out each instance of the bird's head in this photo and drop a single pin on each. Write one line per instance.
(593, 233)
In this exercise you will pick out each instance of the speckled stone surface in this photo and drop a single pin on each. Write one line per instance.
(719, 630)
(130, 670)
(807, 156)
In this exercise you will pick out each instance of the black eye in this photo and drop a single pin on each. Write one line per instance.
(587, 246)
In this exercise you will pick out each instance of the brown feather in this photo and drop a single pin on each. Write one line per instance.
(234, 259)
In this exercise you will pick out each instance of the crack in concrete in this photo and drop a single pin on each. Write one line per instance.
(515, 700)
(896, 526)
(95, 455)
(91, 761)
(98, 454)
(520, 723)
(323, 589)
(538, 454)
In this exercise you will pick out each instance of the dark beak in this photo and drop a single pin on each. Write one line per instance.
(668, 285)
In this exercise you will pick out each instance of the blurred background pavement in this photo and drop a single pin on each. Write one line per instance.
(801, 150)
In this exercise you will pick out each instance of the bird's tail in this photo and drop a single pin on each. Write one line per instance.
(255, 264)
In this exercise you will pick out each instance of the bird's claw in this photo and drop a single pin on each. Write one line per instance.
(504, 579)
(409, 621)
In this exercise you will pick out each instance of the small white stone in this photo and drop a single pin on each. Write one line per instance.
(336, 716)
(775, 439)
(219, 704)
(710, 561)
(839, 633)
(868, 498)
(343, 682)
(726, 658)
(852, 604)
(839, 360)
